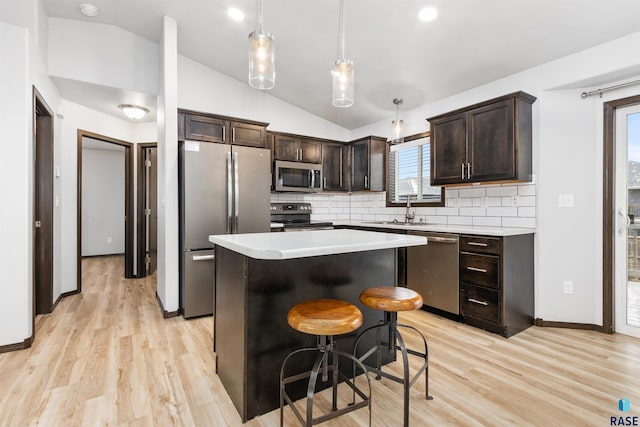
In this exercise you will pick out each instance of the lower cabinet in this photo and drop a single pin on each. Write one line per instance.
(496, 282)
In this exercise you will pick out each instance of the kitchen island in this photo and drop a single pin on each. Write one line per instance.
(260, 276)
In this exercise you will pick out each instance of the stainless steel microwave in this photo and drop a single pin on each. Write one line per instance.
(297, 176)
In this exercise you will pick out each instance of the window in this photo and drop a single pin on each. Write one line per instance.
(409, 172)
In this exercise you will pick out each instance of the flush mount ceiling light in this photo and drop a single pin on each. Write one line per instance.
(134, 112)
(397, 126)
(235, 14)
(88, 10)
(262, 58)
(428, 14)
(342, 72)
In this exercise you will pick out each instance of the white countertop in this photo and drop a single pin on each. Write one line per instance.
(302, 244)
(460, 229)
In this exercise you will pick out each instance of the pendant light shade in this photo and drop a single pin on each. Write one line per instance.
(262, 58)
(342, 72)
(397, 125)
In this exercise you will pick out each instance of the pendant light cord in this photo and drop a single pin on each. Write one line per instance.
(260, 23)
(341, 43)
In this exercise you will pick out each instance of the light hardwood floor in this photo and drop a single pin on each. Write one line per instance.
(107, 357)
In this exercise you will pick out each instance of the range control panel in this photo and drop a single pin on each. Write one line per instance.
(285, 208)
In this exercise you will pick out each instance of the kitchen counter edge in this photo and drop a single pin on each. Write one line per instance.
(442, 228)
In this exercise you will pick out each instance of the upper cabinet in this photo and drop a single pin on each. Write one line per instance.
(226, 130)
(485, 142)
(334, 166)
(296, 148)
(368, 164)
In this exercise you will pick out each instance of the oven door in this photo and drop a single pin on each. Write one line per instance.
(294, 176)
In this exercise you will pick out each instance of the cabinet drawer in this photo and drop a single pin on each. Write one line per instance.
(480, 244)
(479, 302)
(480, 269)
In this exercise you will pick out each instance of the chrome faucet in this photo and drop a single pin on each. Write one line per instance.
(409, 216)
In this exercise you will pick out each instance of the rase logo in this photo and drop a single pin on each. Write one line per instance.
(624, 405)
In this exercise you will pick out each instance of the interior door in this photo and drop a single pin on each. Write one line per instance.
(152, 206)
(627, 195)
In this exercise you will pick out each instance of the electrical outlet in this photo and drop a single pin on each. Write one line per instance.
(567, 287)
(514, 201)
(565, 200)
(109, 240)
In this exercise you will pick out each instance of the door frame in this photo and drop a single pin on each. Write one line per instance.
(608, 205)
(128, 203)
(142, 197)
(43, 173)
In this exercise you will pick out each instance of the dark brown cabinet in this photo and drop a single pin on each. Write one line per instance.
(368, 164)
(296, 148)
(496, 282)
(226, 130)
(485, 142)
(334, 166)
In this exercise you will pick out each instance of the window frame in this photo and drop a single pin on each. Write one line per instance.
(390, 203)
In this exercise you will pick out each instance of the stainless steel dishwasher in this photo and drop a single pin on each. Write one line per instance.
(432, 270)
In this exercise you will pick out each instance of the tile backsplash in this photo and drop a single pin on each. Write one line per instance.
(501, 205)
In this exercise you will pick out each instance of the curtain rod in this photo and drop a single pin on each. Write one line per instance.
(585, 95)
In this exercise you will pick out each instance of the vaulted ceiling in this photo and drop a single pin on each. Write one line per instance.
(471, 42)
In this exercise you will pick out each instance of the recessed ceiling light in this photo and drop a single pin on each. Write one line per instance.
(235, 14)
(88, 10)
(427, 14)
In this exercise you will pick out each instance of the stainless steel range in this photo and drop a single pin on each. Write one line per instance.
(296, 217)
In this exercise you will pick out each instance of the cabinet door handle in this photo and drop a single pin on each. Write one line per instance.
(233, 134)
(468, 170)
(325, 182)
(366, 182)
(484, 245)
(479, 270)
(462, 170)
(300, 151)
(224, 133)
(340, 170)
(475, 301)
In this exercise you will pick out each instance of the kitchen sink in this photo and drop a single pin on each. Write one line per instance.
(395, 223)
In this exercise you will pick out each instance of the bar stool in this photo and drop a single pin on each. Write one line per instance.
(391, 299)
(324, 318)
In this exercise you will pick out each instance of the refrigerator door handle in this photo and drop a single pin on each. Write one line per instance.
(229, 194)
(236, 191)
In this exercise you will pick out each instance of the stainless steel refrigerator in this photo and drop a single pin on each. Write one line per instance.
(223, 189)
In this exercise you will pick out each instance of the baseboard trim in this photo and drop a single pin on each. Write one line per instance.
(166, 314)
(17, 346)
(63, 295)
(568, 325)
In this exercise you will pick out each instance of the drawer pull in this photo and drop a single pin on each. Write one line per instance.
(484, 245)
(479, 270)
(476, 301)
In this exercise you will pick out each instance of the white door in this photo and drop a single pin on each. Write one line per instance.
(627, 249)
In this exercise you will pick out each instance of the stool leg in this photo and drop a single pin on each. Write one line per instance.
(378, 352)
(313, 379)
(334, 401)
(406, 383)
(426, 358)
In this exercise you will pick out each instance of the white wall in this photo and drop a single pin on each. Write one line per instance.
(102, 54)
(103, 196)
(202, 89)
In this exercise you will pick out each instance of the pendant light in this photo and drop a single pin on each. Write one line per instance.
(342, 71)
(397, 125)
(262, 67)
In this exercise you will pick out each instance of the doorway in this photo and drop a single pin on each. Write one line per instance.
(627, 203)
(129, 248)
(147, 154)
(42, 206)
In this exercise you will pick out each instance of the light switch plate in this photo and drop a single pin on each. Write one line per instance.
(565, 200)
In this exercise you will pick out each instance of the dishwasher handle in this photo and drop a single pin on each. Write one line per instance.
(436, 239)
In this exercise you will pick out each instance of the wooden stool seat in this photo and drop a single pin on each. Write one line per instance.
(391, 298)
(325, 317)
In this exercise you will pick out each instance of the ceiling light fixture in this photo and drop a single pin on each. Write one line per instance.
(397, 125)
(428, 14)
(134, 112)
(342, 71)
(235, 14)
(262, 58)
(89, 10)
